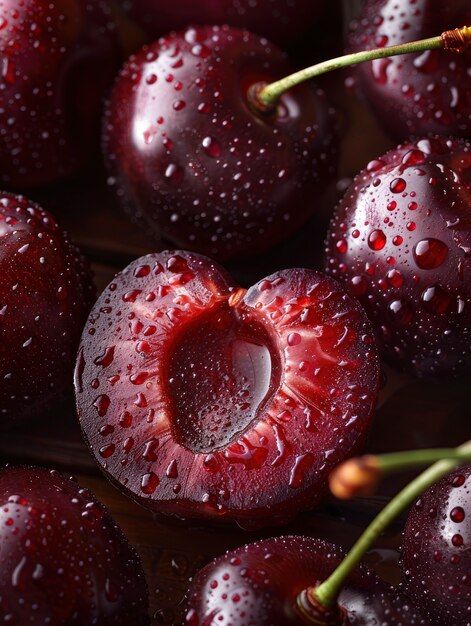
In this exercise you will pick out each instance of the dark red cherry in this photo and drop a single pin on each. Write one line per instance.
(279, 20)
(58, 59)
(45, 294)
(415, 94)
(195, 163)
(401, 242)
(204, 400)
(63, 559)
(436, 559)
(260, 583)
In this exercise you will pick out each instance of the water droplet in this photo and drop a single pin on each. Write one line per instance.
(401, 311)
(342, 246)
(125, 419)
(106, 358)
(150, 450)
(430, 253)
(358, 285)
(102, 404)
(211, 147)
(149, 483)
(173, 173)
(436, 300)
(398, 185)
(301, 465)
(107, 451)
(172, 469)
(457, 514)
(294, 339)
(377, 240)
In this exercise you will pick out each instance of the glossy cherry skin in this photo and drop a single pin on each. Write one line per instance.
(46, 292)
(58, 59)
(279, 20)
(401, 241)
(202, 400)
(193, 161)
(259, 584)
(436, 557)
(414, 94)
(64, 560)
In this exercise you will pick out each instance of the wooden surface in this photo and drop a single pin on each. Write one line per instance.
(411, 413)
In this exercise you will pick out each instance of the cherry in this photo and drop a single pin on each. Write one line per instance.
(63, 558)
(45, 294)
(436, 556)
(204, 400)
(195, 162)
(58, 58)
(279, 20)
(292, 580)
(261, 583)
(420, 93)
(400, 241)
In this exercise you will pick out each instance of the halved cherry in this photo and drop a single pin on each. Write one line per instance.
(201, 399)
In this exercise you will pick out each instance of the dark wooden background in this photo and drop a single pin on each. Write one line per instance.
(411, 413)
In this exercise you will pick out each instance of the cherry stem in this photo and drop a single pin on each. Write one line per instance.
(327, 592)
(457, 40)
(398, 461)
(361, 475)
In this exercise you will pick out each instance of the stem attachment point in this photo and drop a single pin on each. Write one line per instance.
(257, 104)
(312, 611)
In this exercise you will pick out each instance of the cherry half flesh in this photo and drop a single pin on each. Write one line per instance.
(191, 158)
(260, 584)
(400, 241)
(202, 400)
(436, 557)
(63, 559)
(279, 20)
(46, 292)
(58, 59)
(416, 94)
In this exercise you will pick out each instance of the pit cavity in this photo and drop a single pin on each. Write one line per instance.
(223, 368)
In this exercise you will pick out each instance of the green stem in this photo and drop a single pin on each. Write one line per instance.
(399, 461)
(327, 592)
(268, 95)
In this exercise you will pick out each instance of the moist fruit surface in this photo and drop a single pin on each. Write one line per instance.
(195, 163)
(260, 582)
(58, 60)
(203, 400)
(421, 93)
(436, 559)
(400, 241)
(63, 558)
(46, 292)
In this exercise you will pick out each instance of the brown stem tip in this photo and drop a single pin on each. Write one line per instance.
(457, 40)
(356, 477)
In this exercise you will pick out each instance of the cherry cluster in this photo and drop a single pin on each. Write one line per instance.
(199, 397)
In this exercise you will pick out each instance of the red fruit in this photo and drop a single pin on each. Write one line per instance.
(63, 558)
(401, 241)
(421, 93)
(260, 584)
(58, 59)
(196, 163)
(436, 551)
(279, 20)
(200, 399)
(45, 294)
